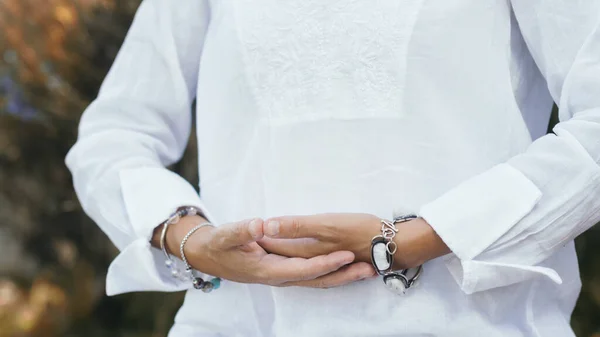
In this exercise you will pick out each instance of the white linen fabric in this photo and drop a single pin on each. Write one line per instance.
(434, 106)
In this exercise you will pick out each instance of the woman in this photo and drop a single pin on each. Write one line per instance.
(319, 120)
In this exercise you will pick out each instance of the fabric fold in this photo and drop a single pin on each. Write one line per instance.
(150, 196)
(474, 215)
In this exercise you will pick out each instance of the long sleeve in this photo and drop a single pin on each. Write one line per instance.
(140, 123)
(504, 223)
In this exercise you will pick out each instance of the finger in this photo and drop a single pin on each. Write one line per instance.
(345, 275)
(304, 247)
(293, 227)
(278, 269)
(238, 233)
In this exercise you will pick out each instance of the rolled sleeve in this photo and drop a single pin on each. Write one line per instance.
(504, 224)
(473, 276)
(492, 203)
(149, 194)
(138, 125)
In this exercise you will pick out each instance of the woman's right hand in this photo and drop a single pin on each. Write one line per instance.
(230, 252)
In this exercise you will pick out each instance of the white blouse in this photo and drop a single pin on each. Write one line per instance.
(306, 106)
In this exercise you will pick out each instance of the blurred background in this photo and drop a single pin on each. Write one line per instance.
(53, 259)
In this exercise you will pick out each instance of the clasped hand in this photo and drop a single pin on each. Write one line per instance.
(312, 235)
(232, 252)
(322, 250)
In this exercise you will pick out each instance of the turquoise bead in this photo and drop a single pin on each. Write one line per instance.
(216, 283)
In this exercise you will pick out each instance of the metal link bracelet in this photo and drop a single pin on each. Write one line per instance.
(383, 248)
(190, 273)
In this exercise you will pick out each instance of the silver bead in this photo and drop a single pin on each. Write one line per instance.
(169, 263)
(207, 287)
(198, 283)
(175, 273)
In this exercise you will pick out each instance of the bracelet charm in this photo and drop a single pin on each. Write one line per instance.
(383, 249)
(382, 261)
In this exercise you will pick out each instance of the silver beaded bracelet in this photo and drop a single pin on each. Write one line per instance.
(190, 273)
(383, 249)
(197, 281)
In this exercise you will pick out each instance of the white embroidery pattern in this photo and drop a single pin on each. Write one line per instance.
(316, 59)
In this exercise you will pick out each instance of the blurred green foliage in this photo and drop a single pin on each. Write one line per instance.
(53, 56)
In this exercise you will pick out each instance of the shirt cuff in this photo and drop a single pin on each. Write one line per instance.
(473, 276)
(150, 196)
(475, 214)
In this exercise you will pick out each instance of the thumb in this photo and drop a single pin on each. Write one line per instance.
(239, 233)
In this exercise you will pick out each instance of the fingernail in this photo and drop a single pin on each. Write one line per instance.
(254, 228)
(273, 228)
(369, 274)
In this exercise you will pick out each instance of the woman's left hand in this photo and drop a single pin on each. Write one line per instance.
(313, 235)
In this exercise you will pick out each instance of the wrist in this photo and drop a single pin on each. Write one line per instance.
(417, 243)
(371, 229)
(356, 237)
(176, 233)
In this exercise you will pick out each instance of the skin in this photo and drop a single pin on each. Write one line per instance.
(313, 235)
(232, 252)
